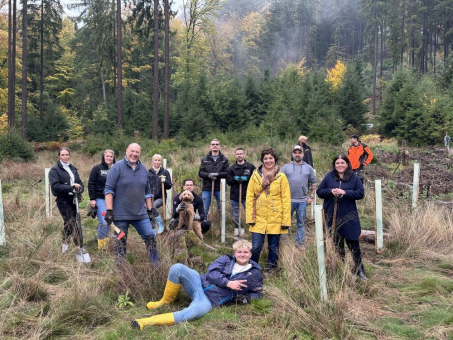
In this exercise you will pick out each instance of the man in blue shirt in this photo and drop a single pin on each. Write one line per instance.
(127, 191)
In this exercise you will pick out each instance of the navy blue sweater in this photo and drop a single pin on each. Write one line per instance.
(129, 187)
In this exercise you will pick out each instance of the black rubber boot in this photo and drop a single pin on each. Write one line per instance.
(361, 273)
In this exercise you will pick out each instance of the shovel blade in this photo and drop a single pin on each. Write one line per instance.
(83, 257)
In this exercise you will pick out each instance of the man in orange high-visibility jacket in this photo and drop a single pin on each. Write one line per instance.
(359, 155)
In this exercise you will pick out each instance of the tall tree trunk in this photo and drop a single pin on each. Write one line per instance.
(14, 54)
(435, 50)
(382, 50)
(41, 71)
(402, 38)
(24, 69)
(376, 28)
(104, 97)
(119, 65)
(167, 70)
(10, 67)
(156, 70)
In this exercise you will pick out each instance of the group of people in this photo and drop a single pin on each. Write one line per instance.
(128, 194)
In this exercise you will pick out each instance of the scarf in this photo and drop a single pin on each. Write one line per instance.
(268, 176)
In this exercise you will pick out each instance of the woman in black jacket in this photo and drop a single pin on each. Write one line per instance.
(96, 186)
(341, 188)
(65, 183)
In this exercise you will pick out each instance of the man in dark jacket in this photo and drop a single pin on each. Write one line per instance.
(197, 206)
(213, 167)
(238, 176)
(158, 175)
(308, 157)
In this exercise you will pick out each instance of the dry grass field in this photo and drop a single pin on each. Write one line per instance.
(45, 294)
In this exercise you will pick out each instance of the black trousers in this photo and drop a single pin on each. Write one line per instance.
(68, 211)
(353, 246)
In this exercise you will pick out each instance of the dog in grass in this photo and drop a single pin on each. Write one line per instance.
(186, 215)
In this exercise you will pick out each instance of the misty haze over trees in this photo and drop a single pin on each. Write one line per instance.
(258, 68)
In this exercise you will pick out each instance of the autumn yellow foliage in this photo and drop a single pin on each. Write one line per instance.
(3, 124)
(335, 75)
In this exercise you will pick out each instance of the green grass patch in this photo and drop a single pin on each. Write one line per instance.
(400, 328)
(436, 316)
(430, 286)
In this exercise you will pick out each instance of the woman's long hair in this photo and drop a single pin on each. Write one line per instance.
(347, 173)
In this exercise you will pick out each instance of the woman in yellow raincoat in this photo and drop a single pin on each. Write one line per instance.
(268, 207)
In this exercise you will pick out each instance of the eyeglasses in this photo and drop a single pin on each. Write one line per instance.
(215, 144)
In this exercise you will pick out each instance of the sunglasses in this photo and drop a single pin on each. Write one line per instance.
(215, 144)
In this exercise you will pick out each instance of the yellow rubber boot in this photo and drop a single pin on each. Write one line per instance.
(166, 319)
(170, 294)
(103, 243)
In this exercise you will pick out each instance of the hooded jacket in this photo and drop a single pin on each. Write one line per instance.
(359, 155)
(60, 182)
(98, 177)
(347, 222)
(273, 209)
(209, 165)
(155, 182)
(236, 169)
(300, 178)
(219, 274)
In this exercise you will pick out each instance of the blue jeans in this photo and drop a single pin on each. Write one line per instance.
(301, 211)
(273, 241)
(103, 228)
(206, 197)
(146, 232)
(191, 281)
(235, 207)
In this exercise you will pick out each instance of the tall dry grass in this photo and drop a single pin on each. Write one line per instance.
(428, 227)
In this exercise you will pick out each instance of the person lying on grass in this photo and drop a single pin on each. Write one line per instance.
(229, 279)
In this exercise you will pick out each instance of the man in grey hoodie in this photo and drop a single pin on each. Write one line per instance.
(301, 178)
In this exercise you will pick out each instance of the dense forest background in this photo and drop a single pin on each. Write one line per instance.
(258, 68)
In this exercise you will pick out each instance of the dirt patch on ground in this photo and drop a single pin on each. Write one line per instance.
(436, 170)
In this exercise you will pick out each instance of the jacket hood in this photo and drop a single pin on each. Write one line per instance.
(104, 163)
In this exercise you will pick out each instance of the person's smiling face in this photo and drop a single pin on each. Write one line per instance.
(269, 161)
(341, 165)
(64, 156)
(243, 256)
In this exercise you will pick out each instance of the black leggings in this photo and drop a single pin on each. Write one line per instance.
(68, 211)
(353, 246)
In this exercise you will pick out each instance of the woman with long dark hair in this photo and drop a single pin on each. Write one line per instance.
(340, 189)
(65, 184)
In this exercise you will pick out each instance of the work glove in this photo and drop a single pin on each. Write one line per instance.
(213, 175)
(162, 179)
(150, 213)
(242, 299)
(238, 179)
(180, 207)
(196, 217)
(108, 217)
(92, 211)
(173, 223)
(244, 178)
(285, 227)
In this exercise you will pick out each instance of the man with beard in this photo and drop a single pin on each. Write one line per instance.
(301, 177)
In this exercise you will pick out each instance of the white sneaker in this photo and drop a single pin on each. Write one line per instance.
(64, 248)
(241, 232)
